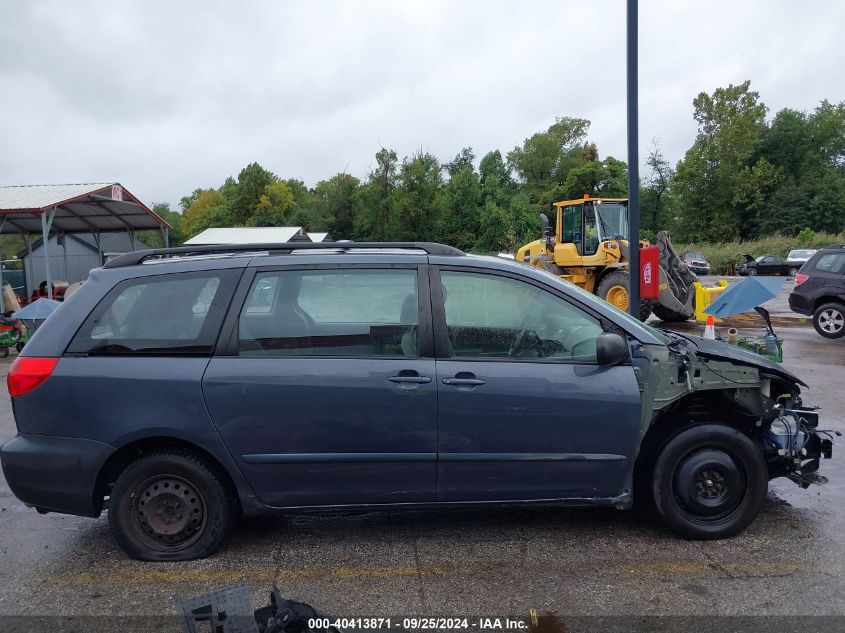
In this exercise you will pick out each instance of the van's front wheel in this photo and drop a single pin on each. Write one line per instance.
(170, 506)
(710, 481)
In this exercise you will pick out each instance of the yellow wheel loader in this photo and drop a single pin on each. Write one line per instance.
(589, 247)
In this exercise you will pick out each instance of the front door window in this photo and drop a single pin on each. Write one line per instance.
(494, 317)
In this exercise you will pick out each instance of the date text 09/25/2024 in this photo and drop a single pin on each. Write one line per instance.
(422, 623)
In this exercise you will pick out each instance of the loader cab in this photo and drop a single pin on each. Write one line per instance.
(586, 223)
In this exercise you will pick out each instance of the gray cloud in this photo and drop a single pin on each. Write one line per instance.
(166, 97)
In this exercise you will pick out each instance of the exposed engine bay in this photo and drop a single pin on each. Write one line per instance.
(698, 380)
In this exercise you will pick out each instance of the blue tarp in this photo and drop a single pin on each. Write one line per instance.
(745, 295)
(38, 310)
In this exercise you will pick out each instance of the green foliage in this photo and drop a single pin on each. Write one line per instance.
(743, 178)
(462, 206)
(418, 207)
(337, 202)
(707, 180)
(154, 238)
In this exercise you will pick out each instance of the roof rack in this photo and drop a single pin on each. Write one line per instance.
(276, 248)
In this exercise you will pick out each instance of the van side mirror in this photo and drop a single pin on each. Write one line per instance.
(611, 349)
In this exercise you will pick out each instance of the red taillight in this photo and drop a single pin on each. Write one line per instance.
(27, 373)
(800, 279)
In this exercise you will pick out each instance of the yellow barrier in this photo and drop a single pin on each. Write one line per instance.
(704, 296)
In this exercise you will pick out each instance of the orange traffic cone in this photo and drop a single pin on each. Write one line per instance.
(710, 328)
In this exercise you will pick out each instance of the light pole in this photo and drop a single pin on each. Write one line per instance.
(633, 165)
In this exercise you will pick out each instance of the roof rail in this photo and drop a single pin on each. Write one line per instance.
(276, 248)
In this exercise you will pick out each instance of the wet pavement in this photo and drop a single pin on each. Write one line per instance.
(791, 561)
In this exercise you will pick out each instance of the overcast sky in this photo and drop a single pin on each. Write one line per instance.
(169, 96)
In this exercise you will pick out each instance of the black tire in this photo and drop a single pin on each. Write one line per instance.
(669, 316)
(194, 507)
(792, 271)
(4, 352)
(710, 482)
(620, 278)
(829, 320)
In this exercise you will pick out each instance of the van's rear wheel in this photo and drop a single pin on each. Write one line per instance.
(710, 481)
(613, 288)
(170, 506)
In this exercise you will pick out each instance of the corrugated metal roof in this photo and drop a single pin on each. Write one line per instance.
(246, 235)
(30, 197)
(79, 208)
(317, 237)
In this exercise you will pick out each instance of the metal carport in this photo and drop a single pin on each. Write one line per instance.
(75, 208)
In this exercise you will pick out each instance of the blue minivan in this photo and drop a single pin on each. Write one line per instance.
(179, 388)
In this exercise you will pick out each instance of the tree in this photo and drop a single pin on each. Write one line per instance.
(655, 192)
(465, 158)
(538, 163)
(273, 206)
(419, 199)
(730, 124)
(378, 198)
(208, 209)
(462, 207)
(338, 202)
(244, 195)
(495, 178)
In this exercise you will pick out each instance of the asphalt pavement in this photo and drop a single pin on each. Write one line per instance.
(570, 564)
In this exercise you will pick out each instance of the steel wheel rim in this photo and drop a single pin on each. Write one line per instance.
(168, 512)
(831, 321)
(752, 271)
(708, 485)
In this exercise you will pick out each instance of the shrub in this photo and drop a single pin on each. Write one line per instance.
(725, 255)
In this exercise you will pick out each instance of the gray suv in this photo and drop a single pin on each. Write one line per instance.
(180, 388)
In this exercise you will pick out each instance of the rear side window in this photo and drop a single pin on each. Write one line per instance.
(167, 314)
(831, 263)
(350, 312)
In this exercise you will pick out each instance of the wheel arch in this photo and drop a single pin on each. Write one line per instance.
(691, 410)
(132, 450)
(828, 298)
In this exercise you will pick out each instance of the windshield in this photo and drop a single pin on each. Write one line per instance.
(761, 258)
(693, 255)
(614, 219)
(591, 299)
(800, 254)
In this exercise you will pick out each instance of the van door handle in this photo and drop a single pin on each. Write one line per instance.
(411, 376)
(464, 379)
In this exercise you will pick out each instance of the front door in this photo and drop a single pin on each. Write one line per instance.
(525, 412)
(330, 398)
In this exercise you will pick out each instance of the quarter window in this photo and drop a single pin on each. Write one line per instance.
(167, 314)
(497, 317)
(831, 263)
(351, 312)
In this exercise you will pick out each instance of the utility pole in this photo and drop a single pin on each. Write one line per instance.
(633, 165)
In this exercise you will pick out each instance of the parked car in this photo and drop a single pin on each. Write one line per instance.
(696, 262)
(820, 291)
(768, 265)
(801, 255)
(182, 387)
